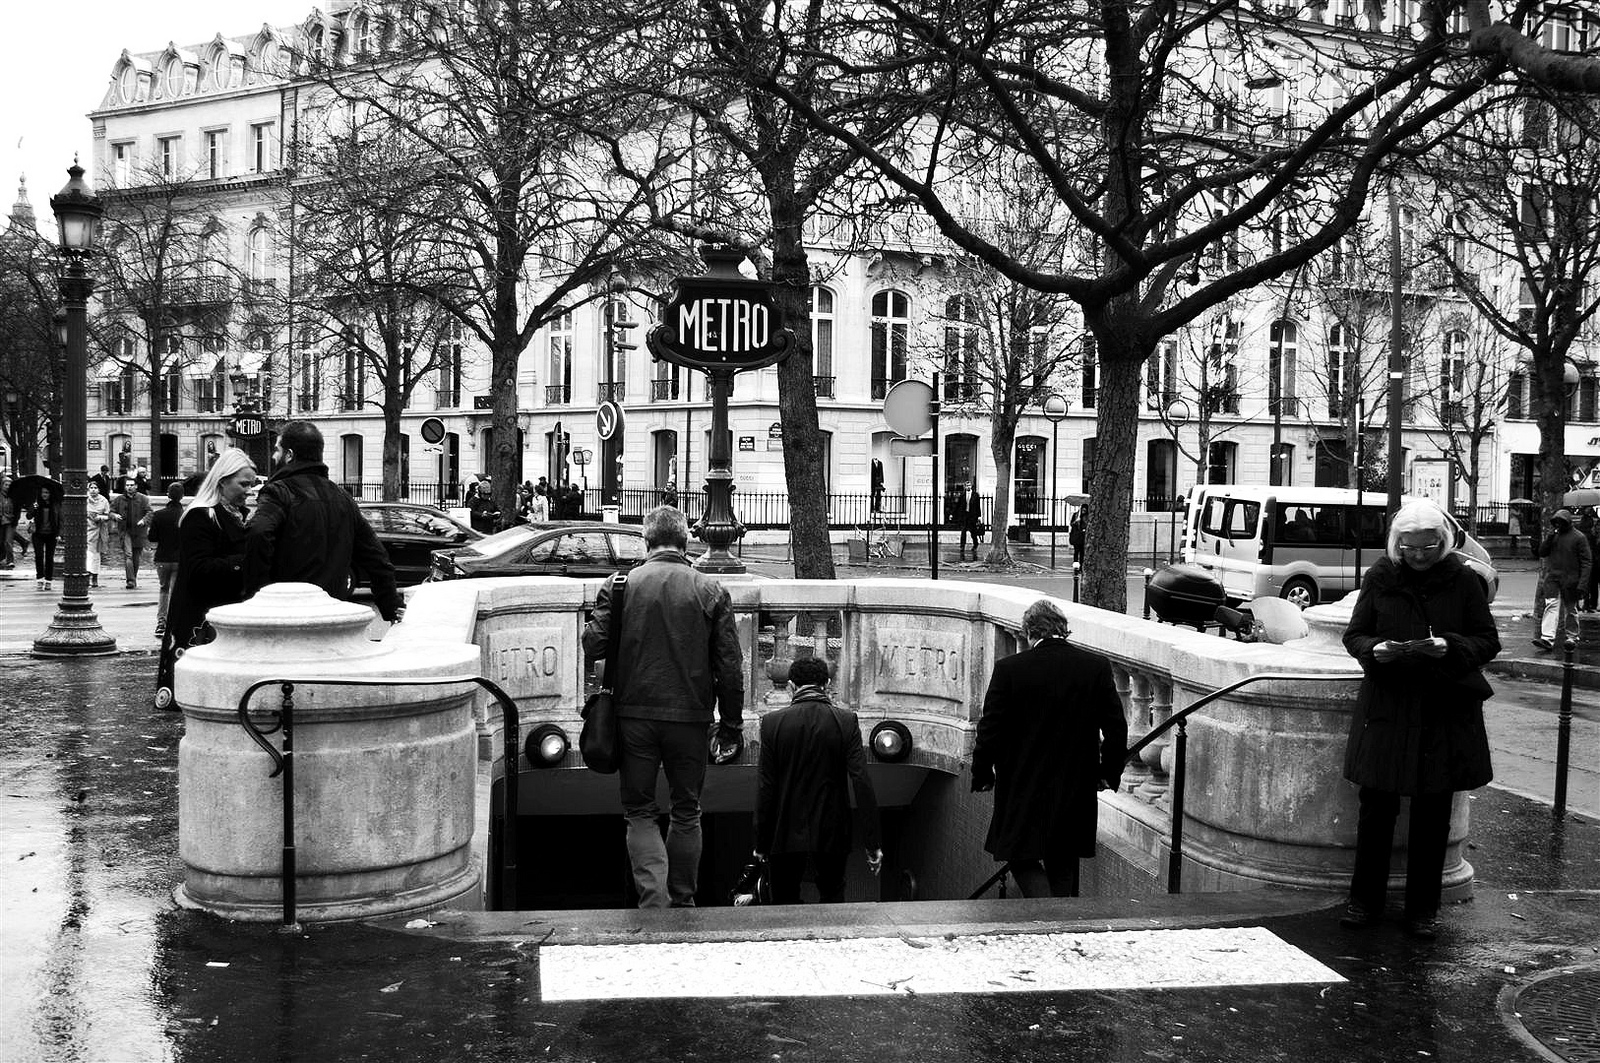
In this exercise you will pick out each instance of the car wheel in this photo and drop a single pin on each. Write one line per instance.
(1300, 592)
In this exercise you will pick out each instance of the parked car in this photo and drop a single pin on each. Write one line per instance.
(549, 548)
(411, 533)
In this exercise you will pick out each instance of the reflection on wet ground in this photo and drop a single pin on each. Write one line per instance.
(97, 964)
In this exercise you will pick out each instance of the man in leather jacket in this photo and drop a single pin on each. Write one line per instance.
(307, 529)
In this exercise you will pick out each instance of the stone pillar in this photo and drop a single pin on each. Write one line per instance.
(384, 775)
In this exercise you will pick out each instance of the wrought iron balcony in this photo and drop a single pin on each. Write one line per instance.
(661, 390)
(823, 386)
(557, 395)
(614, 392)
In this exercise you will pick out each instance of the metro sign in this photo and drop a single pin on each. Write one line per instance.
(721, 321)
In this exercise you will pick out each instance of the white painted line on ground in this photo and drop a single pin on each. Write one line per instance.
(981, 963)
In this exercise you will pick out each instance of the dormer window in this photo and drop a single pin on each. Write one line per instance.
(174, 77)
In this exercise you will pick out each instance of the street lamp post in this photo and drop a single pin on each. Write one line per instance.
(75, 631)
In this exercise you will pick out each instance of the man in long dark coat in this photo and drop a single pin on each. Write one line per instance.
(1052, 734)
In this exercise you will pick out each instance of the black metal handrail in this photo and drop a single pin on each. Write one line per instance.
(283, 763)
(1180, 720)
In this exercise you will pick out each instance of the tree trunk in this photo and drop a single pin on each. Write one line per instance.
(1003, 439)
(804, 461)
(1550, 413)
(391, 448)
(1111, 490)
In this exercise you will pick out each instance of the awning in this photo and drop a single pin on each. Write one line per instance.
(247, 362)
(109, 369)
(207, 367)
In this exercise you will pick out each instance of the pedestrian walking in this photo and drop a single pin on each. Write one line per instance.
(483, 511)
(1075, 537)
(969, 516)
(1565, 573)
(684, 665)
(811, 759)
(102, 480)
(1421, 629)
(131, 514)
(45, 518)
(211, 537)
(307, 530)
(8, 523)
(96, 531)
(164, 534)
(1051, 736)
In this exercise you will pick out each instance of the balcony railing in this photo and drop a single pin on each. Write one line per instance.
(349, 403)
(1283, 406)
(662, 390)
(260, 288)
(446, 398)
(614, 392)
(962, 391)
(823, 386)
(198, 291)
(1452, 412)
(557, 395)
(207, 404)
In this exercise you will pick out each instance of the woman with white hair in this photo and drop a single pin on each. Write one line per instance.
(211, 545)
(1421, 629)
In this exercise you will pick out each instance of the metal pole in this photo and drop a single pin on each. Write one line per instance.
(1147, 574)
(75, 630)
(1075, 569)
(1397, 360)
(1175, 850)
(287, 869)
(933, 520)
(1361, 467)
(1055, 515)
(1564, 730)
(719, 528)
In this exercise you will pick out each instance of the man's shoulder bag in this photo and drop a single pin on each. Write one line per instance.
(597, 742)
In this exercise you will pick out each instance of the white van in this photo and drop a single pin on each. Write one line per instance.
(1298, 543)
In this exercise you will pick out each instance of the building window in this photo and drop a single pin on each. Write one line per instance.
(821, 313)
(171, 388)
(169, 156)
(261, 147)
(1088, 463)
(448, 359)
(355, 377)
(1339, 368)
(1222, 462)
(361, 36)
(1516, 395)
(310, 381)
(1091, 372)
(121, 163)
(258, 265)
(1282, 348)
(1161, 475)
(1027, 475)
(216, 153)
(891, 337)
(962, 349)
(1161, 376)
(1453, 377)
(558, 385)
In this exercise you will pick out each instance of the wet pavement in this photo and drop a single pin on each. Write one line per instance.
(97, 964)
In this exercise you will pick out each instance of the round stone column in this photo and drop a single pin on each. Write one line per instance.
(384, 775)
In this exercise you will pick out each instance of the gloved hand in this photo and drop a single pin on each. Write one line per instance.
(725, 744)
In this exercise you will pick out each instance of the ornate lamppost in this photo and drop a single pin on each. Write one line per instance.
(75, 631)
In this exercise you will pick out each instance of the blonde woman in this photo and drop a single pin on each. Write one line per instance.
(211, 541)
(97, 531)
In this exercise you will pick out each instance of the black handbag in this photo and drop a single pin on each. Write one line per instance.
(597, 742)
(754, 885)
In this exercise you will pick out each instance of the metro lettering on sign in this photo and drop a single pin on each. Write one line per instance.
(723, 324)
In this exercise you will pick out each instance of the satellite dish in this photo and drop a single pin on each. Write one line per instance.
(1280, 620)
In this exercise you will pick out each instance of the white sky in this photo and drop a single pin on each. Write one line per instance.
(60, 61)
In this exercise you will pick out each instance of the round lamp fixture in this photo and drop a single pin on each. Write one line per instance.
(891, 741)
(546, 746)
(77, 212)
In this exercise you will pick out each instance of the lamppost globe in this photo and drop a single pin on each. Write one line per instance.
(78, 212)
(75, 631)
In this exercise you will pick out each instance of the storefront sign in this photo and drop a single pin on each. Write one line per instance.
(747, 443)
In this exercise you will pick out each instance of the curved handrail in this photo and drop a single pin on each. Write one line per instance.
(1183, 714)
(283, 763)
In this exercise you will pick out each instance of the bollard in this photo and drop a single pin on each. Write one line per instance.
(1564, 730)
(1076, 567)
(1148, 575)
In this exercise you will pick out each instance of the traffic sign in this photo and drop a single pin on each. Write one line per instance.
(431, 430)
(1055, 407)
(247, 426)
(909, 407)
(721, 320)
(608, 419)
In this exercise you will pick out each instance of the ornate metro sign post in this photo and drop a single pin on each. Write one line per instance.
(720, 323)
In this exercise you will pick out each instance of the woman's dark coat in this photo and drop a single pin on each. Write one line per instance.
(1417, 729)
(1052, 729)
(210, 570)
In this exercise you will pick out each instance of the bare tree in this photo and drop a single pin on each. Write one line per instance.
(30, 362)
(1166, 132)
(1195, 378)
(168, 286)
(1523, 242)
(496, 100)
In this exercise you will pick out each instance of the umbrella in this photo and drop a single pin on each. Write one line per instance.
(1582, 496)
(1520, 502)
(24, 490)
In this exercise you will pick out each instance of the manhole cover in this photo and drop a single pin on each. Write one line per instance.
(1563, 1013)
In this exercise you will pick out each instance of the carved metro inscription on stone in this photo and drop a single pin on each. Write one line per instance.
(922, 661)
(528, 661)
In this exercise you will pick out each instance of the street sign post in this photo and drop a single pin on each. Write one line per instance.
(1055, 410)
(720, 323)
(911, 407)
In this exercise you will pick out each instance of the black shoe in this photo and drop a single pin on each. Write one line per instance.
(1358, 917)
(1543, 644)
(1422, 927)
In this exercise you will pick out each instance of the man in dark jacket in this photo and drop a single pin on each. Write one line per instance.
(680, 657)
(164, 533)
(132, 513)
(307, 529)
(1052, 734)
(1567, 560)
(811, 756)
(8, 522)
